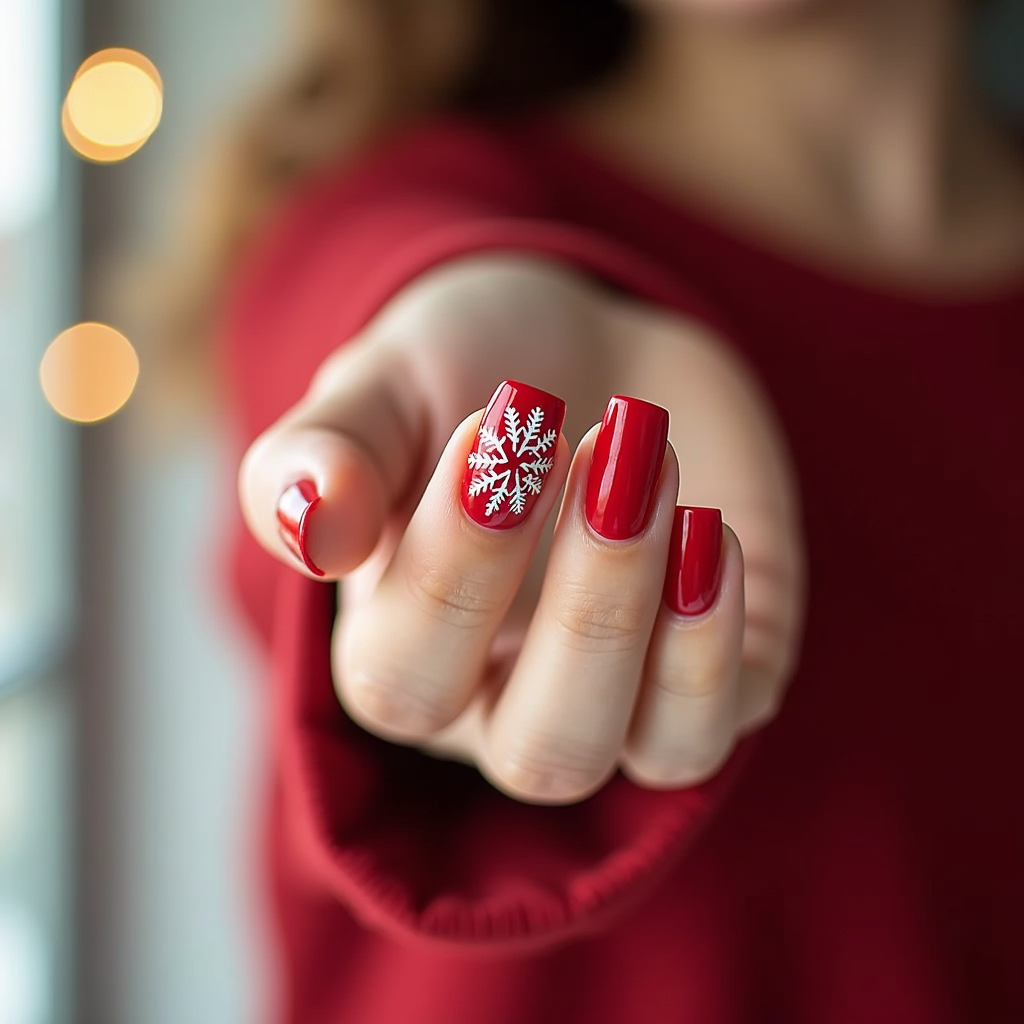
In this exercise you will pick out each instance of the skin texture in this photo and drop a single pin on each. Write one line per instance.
(887, 168)
(501, 685)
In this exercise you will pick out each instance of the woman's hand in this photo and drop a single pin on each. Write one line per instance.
(548, 663)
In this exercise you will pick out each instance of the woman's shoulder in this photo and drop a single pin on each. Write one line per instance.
(436, 171)
(444, 154)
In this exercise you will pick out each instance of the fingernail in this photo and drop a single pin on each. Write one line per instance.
(512, 456)
(293, 513)
(694, 561)
(625, 466)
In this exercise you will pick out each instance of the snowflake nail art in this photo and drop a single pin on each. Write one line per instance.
(513, 454)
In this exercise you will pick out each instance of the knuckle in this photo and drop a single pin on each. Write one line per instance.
(684, 765)
(549, 770)
(682, 668)
(699, 678)
(588, 618)
(391, 707)
(452, 596)
(389, 703)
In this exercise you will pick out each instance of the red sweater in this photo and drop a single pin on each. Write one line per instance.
(862, 861)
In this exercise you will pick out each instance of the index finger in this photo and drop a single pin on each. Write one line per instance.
(409, 657)
(315, 488)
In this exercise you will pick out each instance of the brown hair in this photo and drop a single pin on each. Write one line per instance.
(363, 67)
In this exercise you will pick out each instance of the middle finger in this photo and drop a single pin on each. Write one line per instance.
(556, 731)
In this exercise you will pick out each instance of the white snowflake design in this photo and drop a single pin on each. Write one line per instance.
(510, 476)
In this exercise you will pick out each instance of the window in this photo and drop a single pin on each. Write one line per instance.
(38, 242)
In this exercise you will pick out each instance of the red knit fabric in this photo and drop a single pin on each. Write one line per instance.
(861, 860)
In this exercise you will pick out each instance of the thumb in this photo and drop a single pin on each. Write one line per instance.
(317, 486)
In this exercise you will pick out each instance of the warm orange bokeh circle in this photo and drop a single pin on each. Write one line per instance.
(89, 372)
(113, 105)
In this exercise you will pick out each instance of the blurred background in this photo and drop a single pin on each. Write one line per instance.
(131, 732)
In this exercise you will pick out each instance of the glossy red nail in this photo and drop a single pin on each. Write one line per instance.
(512, 456)
(625, 467)
(694, 560)
(293, 513)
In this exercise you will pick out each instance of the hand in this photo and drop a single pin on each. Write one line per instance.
(585, 669)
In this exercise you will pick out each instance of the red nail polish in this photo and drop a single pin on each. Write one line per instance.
(512, 456)
(293, 513)
(694, 560)
(625, 467)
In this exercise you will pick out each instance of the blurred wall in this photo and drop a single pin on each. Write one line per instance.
(171, 925)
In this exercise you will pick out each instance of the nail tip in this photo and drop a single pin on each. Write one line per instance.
(694, 576)
(556, 404)
(307, 560)
(294, 508)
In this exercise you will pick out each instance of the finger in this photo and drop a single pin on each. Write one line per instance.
(685, 721)
(409, 658)
(316, 486)
(557, 729)
(774, 599)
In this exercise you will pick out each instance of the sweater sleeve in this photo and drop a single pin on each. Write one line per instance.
(421, 849)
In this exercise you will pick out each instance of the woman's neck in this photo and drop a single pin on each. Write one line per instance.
(848, 129)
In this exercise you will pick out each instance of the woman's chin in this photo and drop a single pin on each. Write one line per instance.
(728, 8)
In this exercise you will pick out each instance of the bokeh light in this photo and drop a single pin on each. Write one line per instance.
(89, 372)
(113, 105)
